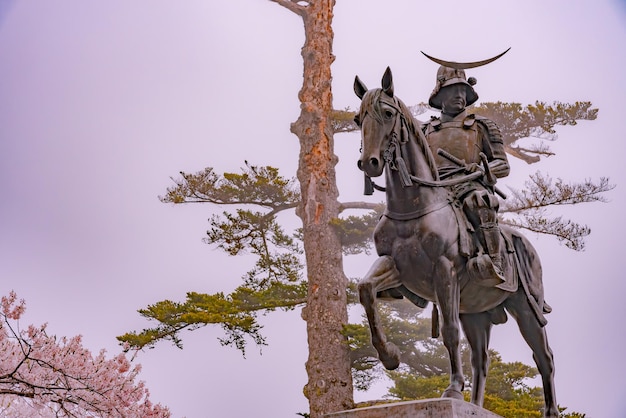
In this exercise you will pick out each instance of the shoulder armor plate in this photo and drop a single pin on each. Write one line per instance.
(493, 132)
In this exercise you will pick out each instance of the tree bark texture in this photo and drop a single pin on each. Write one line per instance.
(329, 386)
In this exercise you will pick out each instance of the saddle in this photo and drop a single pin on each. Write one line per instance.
(516, 265)
(470, 248)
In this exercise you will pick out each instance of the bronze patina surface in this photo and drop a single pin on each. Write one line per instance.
(439, 239)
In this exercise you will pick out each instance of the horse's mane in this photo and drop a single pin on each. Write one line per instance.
(415, 127)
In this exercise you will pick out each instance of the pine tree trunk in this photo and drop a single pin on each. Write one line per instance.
(329, 387)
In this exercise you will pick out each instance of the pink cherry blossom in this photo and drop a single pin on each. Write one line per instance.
(46, 376)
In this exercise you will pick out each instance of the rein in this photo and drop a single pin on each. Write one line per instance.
(394, 159)
(408, 216)
(397, 147)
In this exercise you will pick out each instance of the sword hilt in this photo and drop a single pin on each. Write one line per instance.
(490, 178)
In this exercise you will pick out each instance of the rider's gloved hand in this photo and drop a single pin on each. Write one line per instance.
(470, 168)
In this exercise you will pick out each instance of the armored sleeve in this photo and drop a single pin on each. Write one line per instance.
(493, 147)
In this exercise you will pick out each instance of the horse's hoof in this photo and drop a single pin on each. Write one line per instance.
(391, 357)
(552, 413)
(391, 363)
(453, 393)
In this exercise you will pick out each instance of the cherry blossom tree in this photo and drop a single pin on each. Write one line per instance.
(42, 375)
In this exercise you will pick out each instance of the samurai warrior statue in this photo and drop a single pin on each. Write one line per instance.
(463, 143)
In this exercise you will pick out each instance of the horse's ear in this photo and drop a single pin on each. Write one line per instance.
(387, 82)
(359, 87)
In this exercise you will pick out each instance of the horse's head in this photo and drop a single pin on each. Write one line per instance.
(378, 119)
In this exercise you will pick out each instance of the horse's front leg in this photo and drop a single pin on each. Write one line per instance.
(449, 296)
(382, 275)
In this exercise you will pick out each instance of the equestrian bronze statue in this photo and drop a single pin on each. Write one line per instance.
(439, 239)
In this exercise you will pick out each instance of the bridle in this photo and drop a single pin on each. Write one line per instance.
(394, 154)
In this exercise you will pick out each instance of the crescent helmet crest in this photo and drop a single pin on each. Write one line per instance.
(464, 65)
(450, 73)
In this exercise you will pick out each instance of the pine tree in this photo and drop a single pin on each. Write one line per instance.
(276, 280)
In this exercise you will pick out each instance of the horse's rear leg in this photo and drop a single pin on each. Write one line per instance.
(477, 328)
(535, 336)
(448, 297)
(382, 275)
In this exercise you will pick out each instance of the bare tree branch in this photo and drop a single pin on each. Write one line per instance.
(293, 5)
(361, 205)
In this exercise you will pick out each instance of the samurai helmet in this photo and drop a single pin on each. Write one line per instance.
(447, 76)
(451, 73)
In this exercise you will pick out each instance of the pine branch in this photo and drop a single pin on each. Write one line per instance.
(541, 191)
(343, 120)
(565, 231)
(256, 185)
(533, 121)
(378, 207)
(235, 313)
(356, 232)
(530, 205)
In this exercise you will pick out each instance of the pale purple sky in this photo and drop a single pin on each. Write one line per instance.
(101, 102)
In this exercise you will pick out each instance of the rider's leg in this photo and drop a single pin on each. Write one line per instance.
(481, 208)
(488, 215)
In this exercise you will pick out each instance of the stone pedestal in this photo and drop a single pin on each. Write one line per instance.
(427, 408)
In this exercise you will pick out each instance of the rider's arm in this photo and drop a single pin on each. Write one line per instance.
(493, 147)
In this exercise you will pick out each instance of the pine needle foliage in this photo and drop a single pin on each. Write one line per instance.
(258, 194)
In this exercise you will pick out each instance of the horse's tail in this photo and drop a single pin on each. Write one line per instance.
(529, 270)
(434, 326)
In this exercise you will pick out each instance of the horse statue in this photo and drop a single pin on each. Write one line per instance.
(417, 241)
